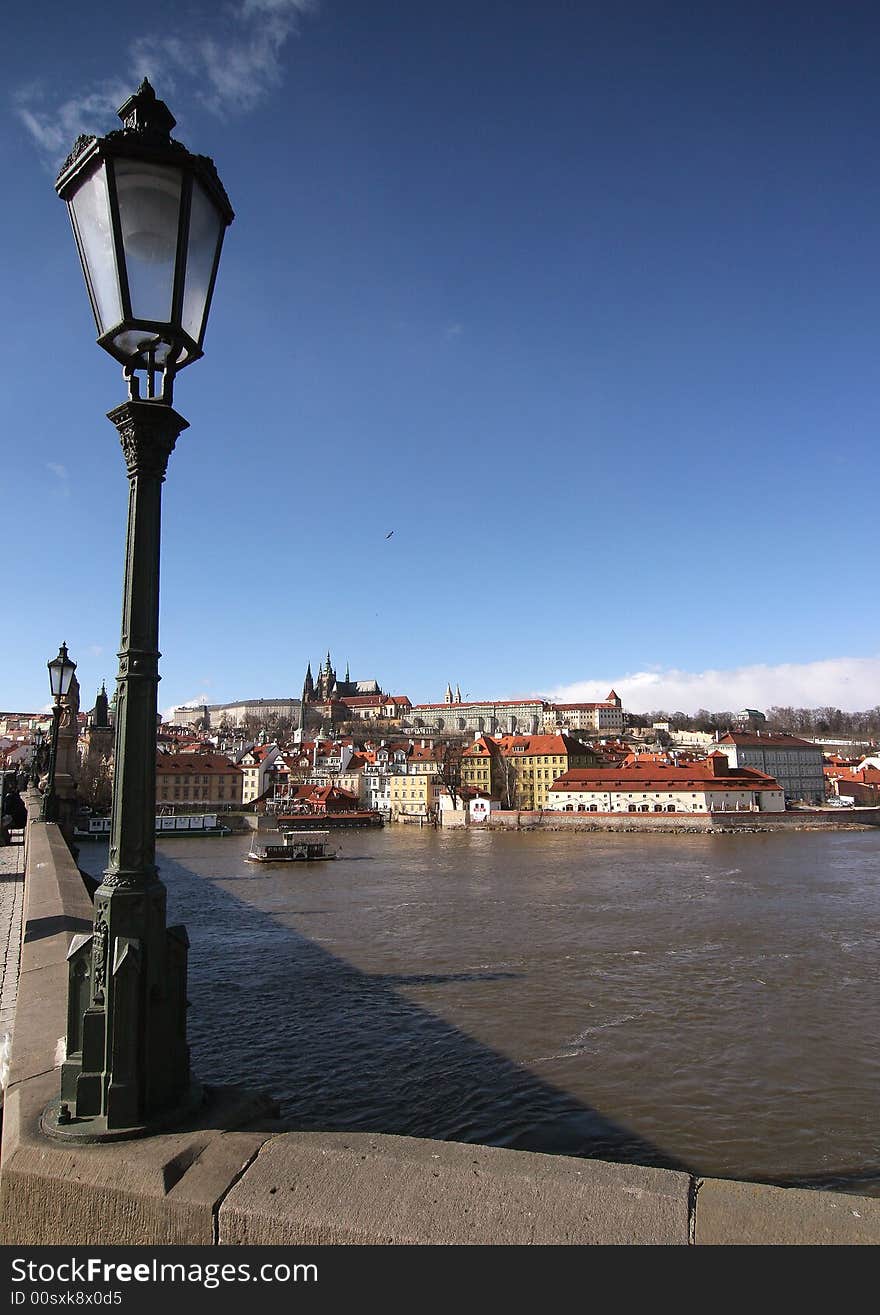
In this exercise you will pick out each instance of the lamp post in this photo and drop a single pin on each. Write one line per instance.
(149, 220)
(61, 670)
(36, 756)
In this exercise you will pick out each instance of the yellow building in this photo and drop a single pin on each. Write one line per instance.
(413, 793)
(531, 763)
(206, 779)
(483, 769)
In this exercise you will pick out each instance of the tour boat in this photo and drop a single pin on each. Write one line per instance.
(290, 847)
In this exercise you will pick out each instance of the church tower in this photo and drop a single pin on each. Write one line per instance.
(458, 694)
(99, 717)
(448, 695)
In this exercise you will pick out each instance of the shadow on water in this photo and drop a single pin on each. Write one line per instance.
(343, 1051)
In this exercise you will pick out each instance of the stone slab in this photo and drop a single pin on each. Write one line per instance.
(332, 1188)
(751, 1214)
(157, 1191)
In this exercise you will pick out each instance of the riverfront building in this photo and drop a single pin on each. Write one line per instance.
(533, 762)
(657, 787)
(796, 764)
(206, 779)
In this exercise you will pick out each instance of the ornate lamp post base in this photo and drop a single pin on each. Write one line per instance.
(58, 1121)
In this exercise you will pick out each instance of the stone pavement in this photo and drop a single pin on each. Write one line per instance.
(11, 903)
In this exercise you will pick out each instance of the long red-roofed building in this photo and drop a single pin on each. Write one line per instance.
(655, 787)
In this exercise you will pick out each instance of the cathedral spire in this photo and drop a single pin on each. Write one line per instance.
(448, 696)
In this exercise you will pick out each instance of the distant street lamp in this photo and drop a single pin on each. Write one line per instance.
(149, 220)
(61, 670)
(37, 756)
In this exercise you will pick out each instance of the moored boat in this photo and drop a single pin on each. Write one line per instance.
(202, 824)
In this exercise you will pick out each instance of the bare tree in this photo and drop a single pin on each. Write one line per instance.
(95, 784)
(508, 782)
(449, 768)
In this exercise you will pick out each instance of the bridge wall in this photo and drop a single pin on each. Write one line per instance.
(234, 1176)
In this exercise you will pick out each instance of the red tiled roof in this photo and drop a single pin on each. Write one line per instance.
(420, 753)
(478, 703)
(656, 776)
(528, 745)
(586, 707)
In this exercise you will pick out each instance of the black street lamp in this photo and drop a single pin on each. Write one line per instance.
(37, 756)
(61, 669)
(149, 220)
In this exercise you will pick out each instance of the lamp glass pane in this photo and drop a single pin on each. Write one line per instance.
(91, 219)
(149, 214)
(205, 229)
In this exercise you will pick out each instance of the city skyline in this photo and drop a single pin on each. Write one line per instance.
(542, 347)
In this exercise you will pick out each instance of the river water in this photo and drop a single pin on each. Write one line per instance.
(701, 1002)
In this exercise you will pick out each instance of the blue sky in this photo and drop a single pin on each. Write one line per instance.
(580, 300)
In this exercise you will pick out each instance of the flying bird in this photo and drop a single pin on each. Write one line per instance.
(389, 534)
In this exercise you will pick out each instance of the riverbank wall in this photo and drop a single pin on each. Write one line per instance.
(800, 819)
(236, 1176)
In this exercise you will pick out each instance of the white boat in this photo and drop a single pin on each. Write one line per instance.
(290, 847)
(206, 824)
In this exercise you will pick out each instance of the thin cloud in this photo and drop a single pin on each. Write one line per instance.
(55, 129)
(60, 473)
(238, 65)
(454, 331)
(851, 684)
(238, 68)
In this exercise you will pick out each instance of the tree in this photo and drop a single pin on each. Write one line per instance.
(95, 784)
(508, 782)
(449, 757)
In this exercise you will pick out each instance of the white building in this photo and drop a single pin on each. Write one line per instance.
(597, 718)
(651, 787)
(795, 763)
(255, 763)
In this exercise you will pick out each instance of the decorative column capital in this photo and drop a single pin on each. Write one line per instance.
(147, 432)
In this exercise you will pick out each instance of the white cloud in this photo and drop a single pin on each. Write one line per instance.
(54, 130)
(197, 701)
(851, 684)
(238, 68)
(233, 69)
(454, 330)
